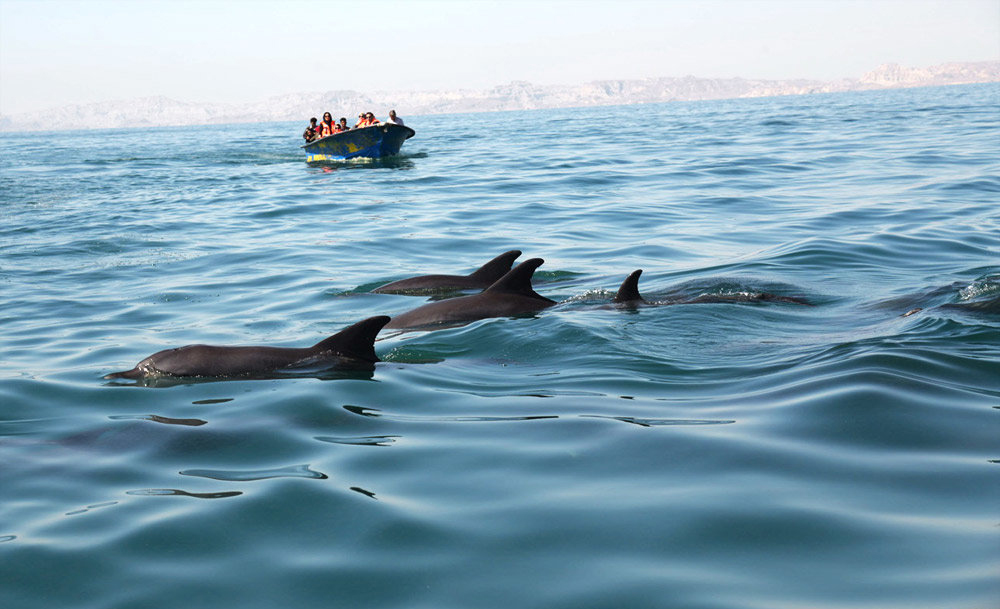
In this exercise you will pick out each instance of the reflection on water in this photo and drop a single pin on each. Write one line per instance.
(294, 471)
(172, 492)
(361, 440)
(319, 373)
(158, 419)
(400, 161)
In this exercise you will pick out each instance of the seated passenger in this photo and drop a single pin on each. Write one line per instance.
(393, 119)
(310, 133)
(370, 117)
(326, 127)
(361, 121)
(343, 124)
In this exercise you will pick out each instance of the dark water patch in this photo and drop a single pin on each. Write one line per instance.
(732, 168)
(158, 419)
(95, 506)
(376, 413)
(212, 401)
(932, 157)
(658, 422)
(360, 440)
(777, 122)
(364, 492)
(293, 471)
(172, 492)
(984, 185)
(640, 421)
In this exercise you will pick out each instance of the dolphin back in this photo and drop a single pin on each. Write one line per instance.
(493, 270)
(518, 281)
(990, 306)
(356, 341)
(629, 290)
(481, 278)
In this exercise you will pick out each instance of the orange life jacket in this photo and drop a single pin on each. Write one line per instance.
(326, 129)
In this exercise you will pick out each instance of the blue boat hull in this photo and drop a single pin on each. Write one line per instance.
(368, 142)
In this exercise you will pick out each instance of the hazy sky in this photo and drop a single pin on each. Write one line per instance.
(55, 52)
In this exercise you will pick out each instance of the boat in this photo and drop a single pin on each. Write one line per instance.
(372, 142)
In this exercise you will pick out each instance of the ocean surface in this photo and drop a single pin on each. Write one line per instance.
(756, 452)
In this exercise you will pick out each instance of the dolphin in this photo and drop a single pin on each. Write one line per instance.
(628, 292)
(744, 297)
(928, 299)
(509, 296)
(352, 347)
(628, 296)
(990, 306)
(482, 278)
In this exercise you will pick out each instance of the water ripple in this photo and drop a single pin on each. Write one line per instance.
(172, 492)
(734, 450)
(293, 471)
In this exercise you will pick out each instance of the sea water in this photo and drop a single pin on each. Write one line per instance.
(745, 453)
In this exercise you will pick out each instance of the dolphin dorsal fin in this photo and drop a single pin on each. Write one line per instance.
(518, 280)
(629, 290)
(496, 268)
(357, 341)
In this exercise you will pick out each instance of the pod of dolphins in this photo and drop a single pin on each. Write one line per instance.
(506, 292)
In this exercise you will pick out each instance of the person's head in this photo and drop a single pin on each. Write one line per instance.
(327, 117)
(312, 121)
(371, 116)
(392, 114)
(343, 120)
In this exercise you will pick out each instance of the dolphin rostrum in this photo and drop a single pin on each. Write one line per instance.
(509, 296)
(482, 278)
(352, 347)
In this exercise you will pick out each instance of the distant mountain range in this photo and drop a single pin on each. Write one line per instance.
(162, 111)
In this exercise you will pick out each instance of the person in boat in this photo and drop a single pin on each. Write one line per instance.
(361, 121)
(327, 126)
(393, 119)
(310, 133)
(372, 120)
(343, 124)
